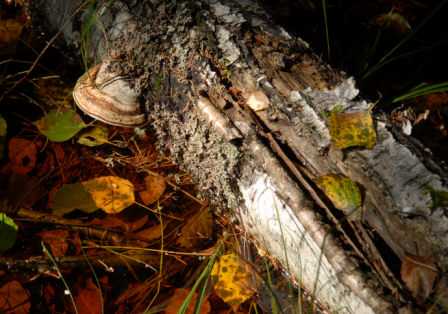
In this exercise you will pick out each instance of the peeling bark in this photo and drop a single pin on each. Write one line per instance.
(218, 50)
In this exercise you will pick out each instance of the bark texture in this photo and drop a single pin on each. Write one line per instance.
(176, 52)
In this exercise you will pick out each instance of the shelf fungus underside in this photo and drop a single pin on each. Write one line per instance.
(108, 98)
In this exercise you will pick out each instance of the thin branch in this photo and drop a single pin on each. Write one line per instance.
(26, 73)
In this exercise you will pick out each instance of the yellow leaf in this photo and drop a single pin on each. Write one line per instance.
(93, 136)
(112, 194)
(342, 191)
(352, 129)
(233, 280)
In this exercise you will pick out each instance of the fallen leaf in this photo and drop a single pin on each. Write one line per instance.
(60, 126)
(342, 191)
(10, 31)
(419, 274)
(110, 193)
(153, 232)
(14, 298)
(22, 155)
(3, 127)
(71, 197)
(23, 190)
(88, 298)
(114, 221)
(179, 296)
(196, 229)
(396, 23)
(155, 187)
(57, 240)
(53, 91)
(93, 136)
(8, 232)
(352, 129)
(233, 280)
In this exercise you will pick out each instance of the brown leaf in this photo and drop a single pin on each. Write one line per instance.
(88, 299)
(155, 187)
(419, 274)
(14, 298)
(180, 294)
(115, 221)
(22, 155)
(153, 232)
(24, 189)
(10, 30)
(56, 239)
(196, 229)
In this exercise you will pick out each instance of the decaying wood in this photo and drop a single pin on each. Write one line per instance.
(195, 52)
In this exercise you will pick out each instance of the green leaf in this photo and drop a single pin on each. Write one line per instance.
(342, 191)
(71, 197)
(60, 126)
(352, 129)
(8, 232)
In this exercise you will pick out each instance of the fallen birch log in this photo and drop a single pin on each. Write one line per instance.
(196, 64)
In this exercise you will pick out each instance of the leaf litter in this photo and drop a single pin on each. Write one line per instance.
(102, 208)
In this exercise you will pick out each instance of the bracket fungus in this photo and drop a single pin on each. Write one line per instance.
(108, 98)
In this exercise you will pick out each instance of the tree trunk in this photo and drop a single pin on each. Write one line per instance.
(261, 164)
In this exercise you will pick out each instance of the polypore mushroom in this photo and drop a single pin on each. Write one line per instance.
(108, 98)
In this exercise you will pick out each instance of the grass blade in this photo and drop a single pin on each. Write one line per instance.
(95, 276)
(432, 89)
(324, 8)
(60, 274)
(377, 40)
(205, 274)
(405, 39)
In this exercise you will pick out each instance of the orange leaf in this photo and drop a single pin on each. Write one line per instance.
(419, 274)
(180, 294)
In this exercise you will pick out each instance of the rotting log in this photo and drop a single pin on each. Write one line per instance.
(176, 53)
